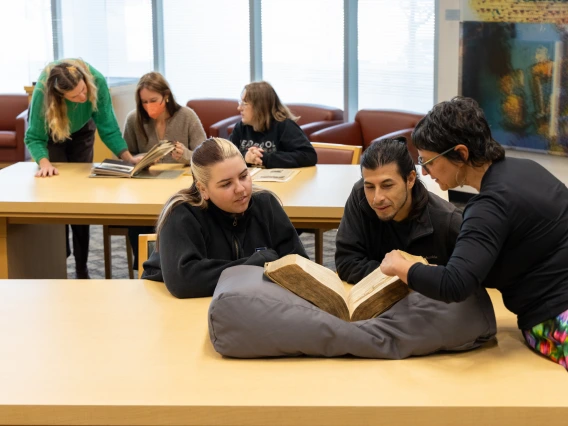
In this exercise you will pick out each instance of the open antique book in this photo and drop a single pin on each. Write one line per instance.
(319, 285)
(119, 168)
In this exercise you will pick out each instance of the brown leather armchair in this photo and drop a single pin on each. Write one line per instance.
(215, 115)
(13, 124)
(407, 133)
(315, 117)
(312, 117)
(334, 153)
(370, 125)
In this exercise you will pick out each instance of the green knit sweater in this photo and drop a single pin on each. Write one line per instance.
(79, 114)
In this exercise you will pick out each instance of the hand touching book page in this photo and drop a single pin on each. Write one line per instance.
(319, 285)
(118, 168)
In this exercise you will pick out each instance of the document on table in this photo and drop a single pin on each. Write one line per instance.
(273, 175)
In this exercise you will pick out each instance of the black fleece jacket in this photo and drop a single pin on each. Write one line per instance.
(363, 239)
(285, 145)
(514, 238)
(196, 245)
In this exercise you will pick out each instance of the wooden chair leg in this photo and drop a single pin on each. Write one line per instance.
(143, 240)
(106, 247)
(129, 257)
(318, 234)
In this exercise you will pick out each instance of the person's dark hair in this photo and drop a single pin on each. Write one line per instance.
(387, 151)
(454, 122)
(266, 105)
(155, 82)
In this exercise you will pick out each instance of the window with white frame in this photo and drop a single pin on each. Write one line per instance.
(206, 47)
(25, 31)
(396, 54)
(114, 36)
(302, 50)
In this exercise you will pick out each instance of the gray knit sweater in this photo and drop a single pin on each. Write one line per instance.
(184, 126)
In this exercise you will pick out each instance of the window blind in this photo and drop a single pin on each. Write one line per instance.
(302, 50)
(206, 48)
(115, 36)
(396, 54)
(25, 31)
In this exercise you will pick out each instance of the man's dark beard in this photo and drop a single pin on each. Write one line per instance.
(396, 212)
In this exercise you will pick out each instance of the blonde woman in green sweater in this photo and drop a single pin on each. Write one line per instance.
(70, 101)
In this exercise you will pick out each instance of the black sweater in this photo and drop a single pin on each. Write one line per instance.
(514, 238)
(285, 145)
(363, 239)
(196, 245)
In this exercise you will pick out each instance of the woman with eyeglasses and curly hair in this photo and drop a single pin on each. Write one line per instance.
(70, 101)
(267, 134)
(514, 235)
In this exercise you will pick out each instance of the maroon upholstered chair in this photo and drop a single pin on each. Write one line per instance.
(13, 124)
(316, 117)
(370, 125)
(334, 153)
(407, 133)
(216, 115)
(312, 117)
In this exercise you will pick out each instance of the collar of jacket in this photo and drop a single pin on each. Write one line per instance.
(420, 227)
(231, 221)
(273, 125)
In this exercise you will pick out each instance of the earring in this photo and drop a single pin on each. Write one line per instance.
(167, 100)
(460, 184)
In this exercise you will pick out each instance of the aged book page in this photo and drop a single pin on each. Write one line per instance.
(312, 282)
(367, 287)
(321, 286)
(377, 292)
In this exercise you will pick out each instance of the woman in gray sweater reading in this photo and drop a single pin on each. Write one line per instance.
(159, 117)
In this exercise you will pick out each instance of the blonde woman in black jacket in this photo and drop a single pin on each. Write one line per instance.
(220, 221)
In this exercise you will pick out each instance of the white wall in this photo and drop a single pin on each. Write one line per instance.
(448, 51)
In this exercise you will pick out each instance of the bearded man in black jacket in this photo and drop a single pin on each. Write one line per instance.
(389, 209)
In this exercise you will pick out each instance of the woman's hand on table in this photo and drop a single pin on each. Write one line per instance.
(46, 169)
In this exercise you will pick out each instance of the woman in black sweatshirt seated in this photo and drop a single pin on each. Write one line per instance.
(222, 220)
(267, 134)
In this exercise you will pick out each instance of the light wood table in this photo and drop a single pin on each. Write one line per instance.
(33, 210)
(124, 352)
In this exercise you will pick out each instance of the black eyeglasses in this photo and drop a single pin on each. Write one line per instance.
(423, 164)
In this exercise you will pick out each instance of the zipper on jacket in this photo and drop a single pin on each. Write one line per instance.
(236, 243)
